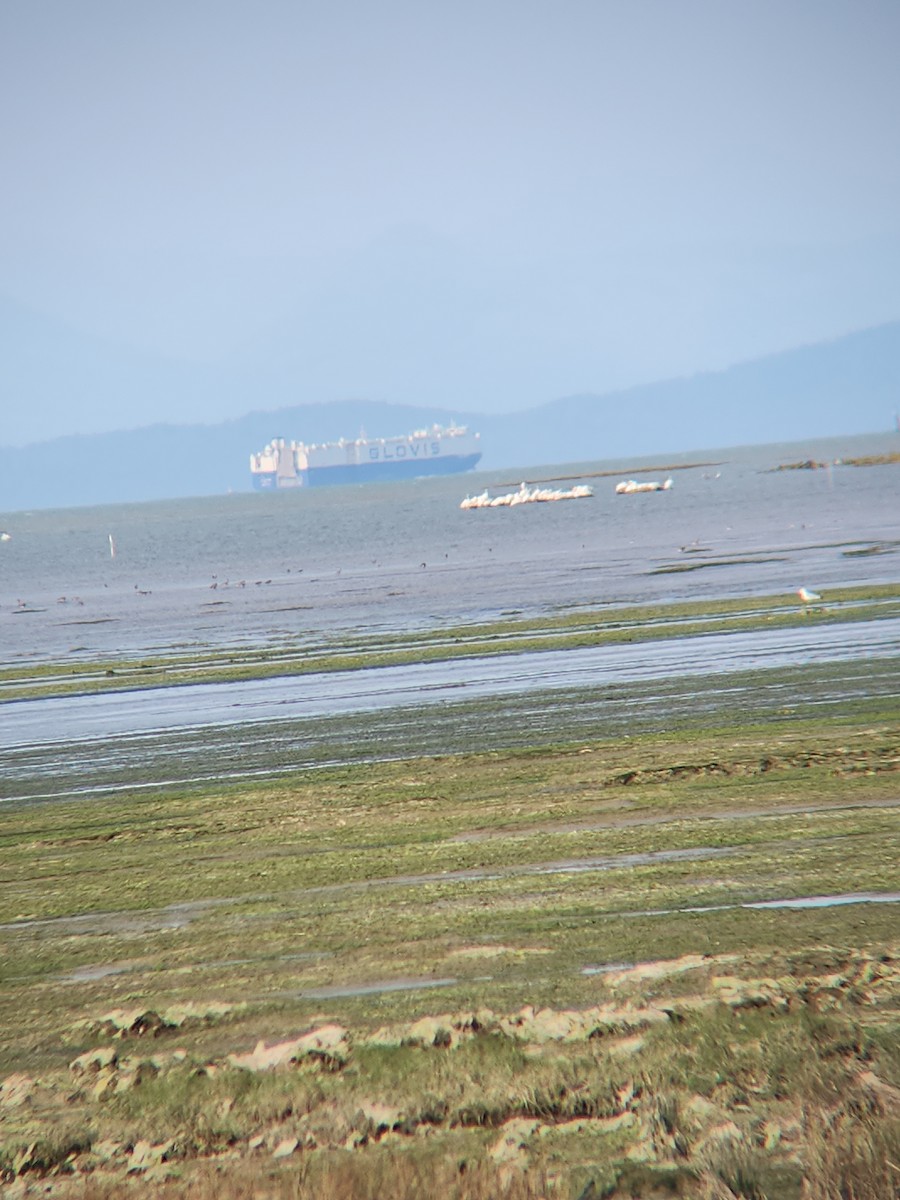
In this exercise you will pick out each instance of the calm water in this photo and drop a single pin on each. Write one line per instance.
(270, 568)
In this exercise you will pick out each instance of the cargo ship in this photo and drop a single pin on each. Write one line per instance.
(436, 451)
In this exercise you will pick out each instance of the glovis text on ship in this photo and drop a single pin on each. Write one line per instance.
(404, 450)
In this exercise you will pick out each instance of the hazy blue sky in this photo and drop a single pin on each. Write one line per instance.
(482, 204)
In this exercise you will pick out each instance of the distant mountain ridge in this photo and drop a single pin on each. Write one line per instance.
(846, 386)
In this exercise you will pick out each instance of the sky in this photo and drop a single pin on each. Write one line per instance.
(215, 206)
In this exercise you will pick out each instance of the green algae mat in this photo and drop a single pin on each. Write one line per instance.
(634, 961)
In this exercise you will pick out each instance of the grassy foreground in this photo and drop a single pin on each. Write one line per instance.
(533, 973)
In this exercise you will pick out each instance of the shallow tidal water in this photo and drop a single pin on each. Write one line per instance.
(263, 569)
(322, 566)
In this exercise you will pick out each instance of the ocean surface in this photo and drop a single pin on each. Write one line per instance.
(274, 568)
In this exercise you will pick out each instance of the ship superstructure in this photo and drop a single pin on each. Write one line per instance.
(439, 450)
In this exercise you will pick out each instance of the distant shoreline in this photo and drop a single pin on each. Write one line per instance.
(619, 471)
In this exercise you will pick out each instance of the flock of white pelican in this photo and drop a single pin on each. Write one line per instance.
(535, 495)
(628, 487)
(527, 495)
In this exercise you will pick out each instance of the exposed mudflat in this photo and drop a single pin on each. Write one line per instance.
(671, 861)
(77, 745)
(153, 710)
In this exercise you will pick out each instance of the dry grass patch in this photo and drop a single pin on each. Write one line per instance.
(773, 1077)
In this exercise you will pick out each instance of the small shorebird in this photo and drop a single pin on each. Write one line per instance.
(807, 596)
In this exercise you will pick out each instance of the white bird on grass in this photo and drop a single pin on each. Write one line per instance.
(807, 596)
